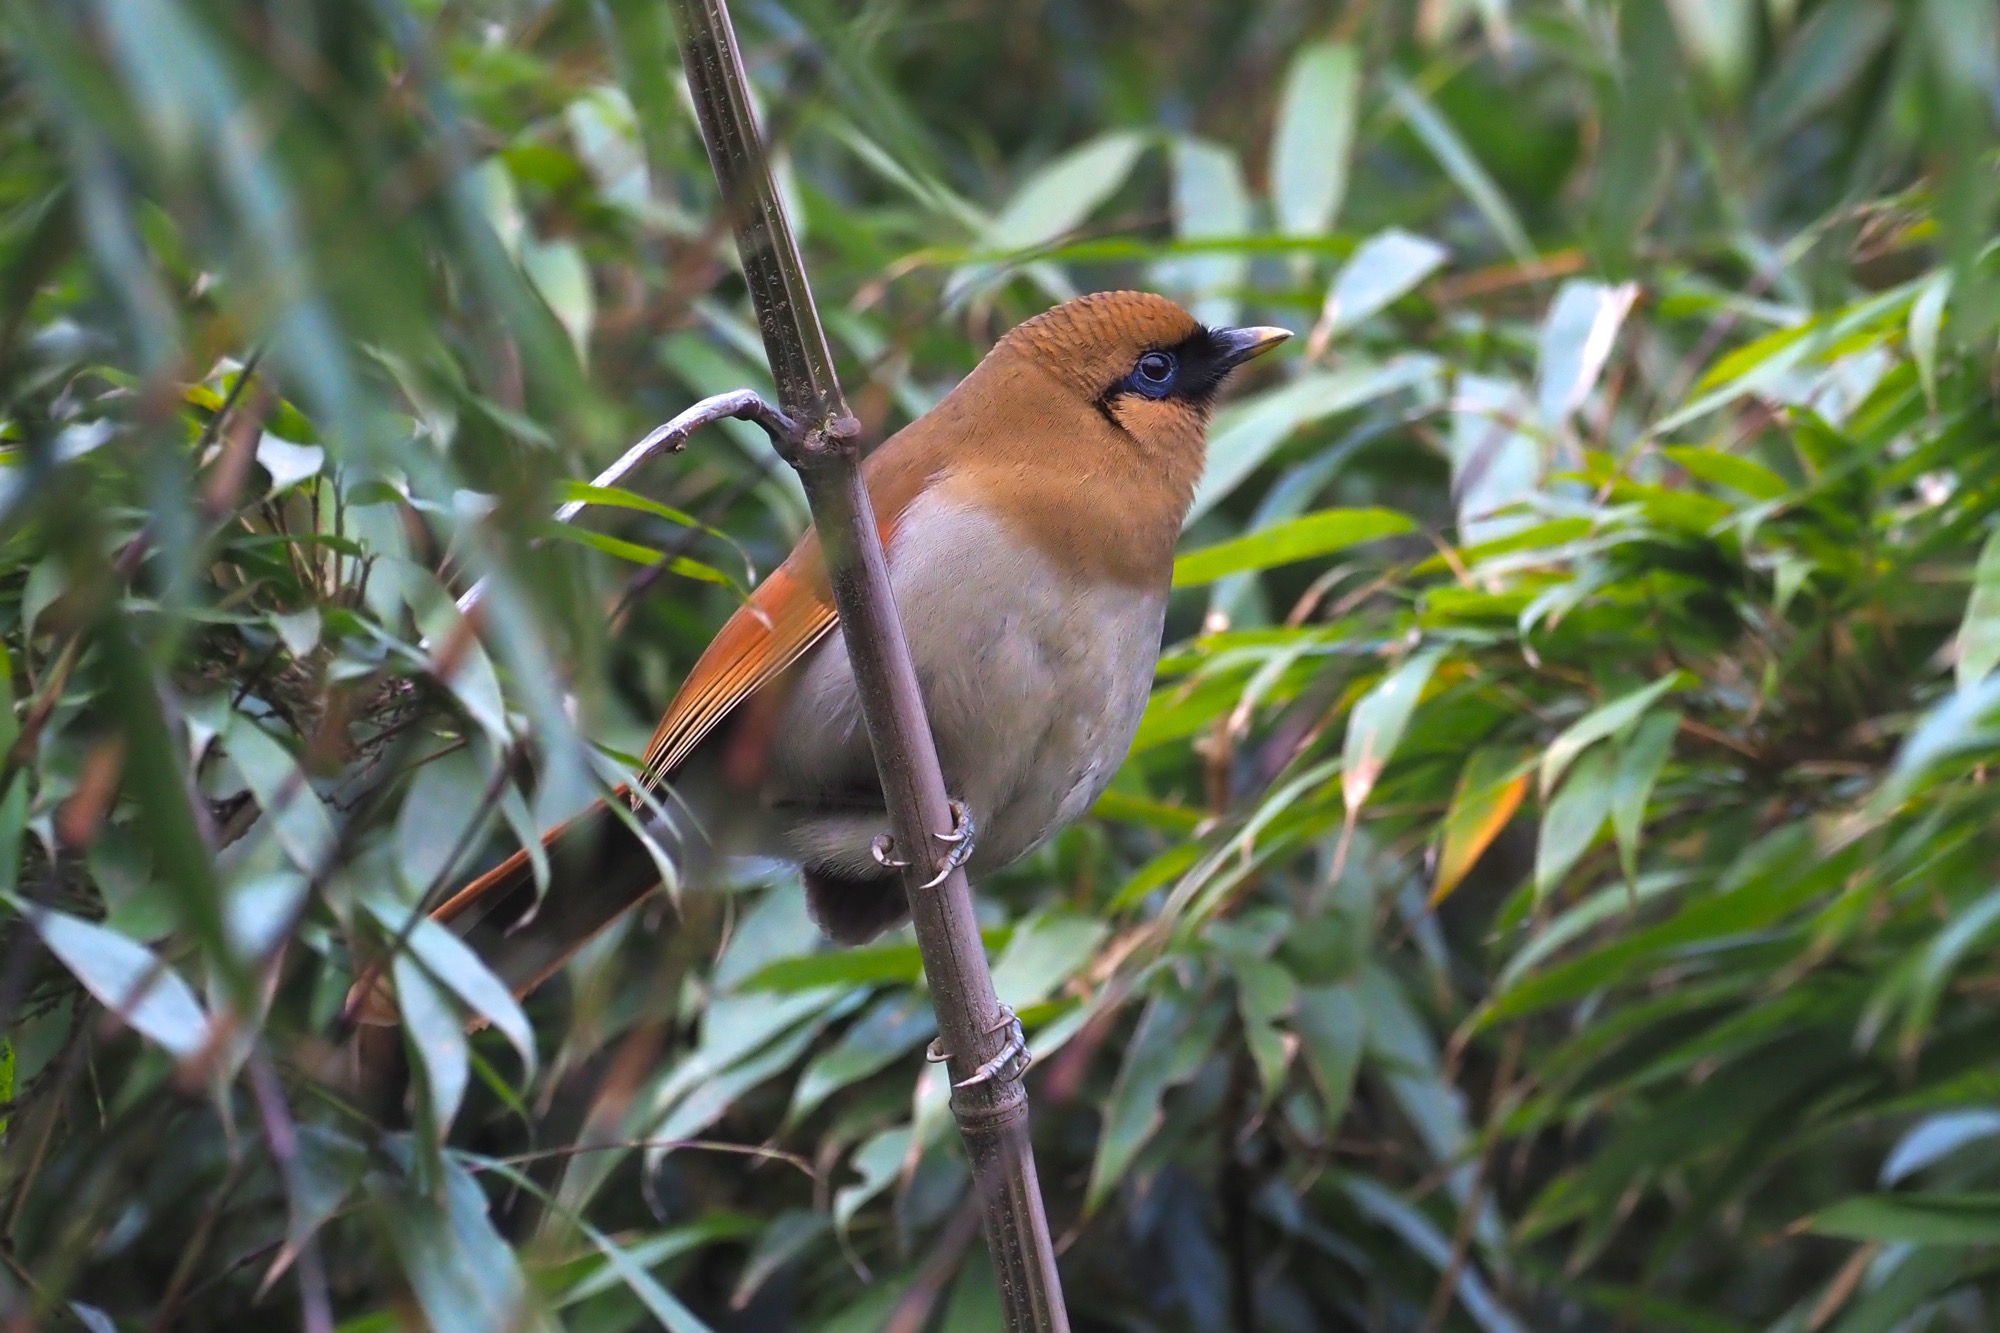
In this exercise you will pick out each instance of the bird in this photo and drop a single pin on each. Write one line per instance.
(1028, 522)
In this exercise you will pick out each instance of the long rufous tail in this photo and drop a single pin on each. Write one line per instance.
(601, 868)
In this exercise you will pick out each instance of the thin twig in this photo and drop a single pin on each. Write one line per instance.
(671, 438)
(315, 1305)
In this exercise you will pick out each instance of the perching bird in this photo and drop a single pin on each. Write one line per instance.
(1029, 522)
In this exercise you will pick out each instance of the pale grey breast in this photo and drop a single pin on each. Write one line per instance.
(1034, 684)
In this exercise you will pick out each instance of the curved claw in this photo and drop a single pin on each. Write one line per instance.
(1013, 1059)
(958, 843)
(882, 849)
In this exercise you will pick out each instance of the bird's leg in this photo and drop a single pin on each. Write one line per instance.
(1012, 1061)
(958, 846)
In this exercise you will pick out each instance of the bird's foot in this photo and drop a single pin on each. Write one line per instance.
(957, 843)
(958, 847)
(1009, 1064)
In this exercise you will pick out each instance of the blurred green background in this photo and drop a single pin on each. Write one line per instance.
(1553, 889)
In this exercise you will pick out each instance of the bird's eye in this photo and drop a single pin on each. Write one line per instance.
(1154, 373)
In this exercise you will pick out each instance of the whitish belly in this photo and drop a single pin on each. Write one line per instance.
(1034, 687)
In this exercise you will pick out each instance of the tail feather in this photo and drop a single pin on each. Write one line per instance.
(853, 910)
(601, 868)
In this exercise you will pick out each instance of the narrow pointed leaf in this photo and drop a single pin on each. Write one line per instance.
(1301, 538)
(1375, 728)
(1314, 137)
(1490, 790)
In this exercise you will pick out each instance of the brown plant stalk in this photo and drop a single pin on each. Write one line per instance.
(991, 1110)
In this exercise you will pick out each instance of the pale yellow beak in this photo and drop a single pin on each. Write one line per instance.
(1239, 345)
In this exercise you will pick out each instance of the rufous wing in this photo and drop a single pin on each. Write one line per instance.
(788, 613)
(609, 867)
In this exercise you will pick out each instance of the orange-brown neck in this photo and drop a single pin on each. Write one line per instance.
(1099, 492)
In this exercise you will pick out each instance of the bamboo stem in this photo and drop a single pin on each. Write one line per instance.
(991, 1109)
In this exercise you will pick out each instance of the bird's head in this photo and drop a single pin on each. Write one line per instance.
(1150, 368)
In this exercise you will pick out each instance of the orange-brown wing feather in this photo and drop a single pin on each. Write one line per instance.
(789, 612)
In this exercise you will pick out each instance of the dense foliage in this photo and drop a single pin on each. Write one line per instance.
(1554, 885)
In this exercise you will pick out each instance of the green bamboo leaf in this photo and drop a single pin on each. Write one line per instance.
(461, 1270)
(1375, 727)
(616, 497)
(452, 963)
(437, 818)
(1302, 538)
(1967, 722)
(1314, 137)
(789, 1238)
(1210, 201)
(471, 677)
(1266, 996)
(1379, 272)
(1935, 1138)
(1926, 319)
(157, 778)
(1049, 204)
(10, 726)
(1979, 631)
(1174, 1037)
(434, 1030)
(878, 1162)
(891, 1029)
(1600, 722)
(1732, 470)
(127, 978)
(651, 1251)
(1940, 960)
(1823, 60)
(299, 819)
(1576, 342)
(561, 278)
(1913, 1219)
(1407, 1054)
(1495, 464)
(326, 1171)
(868, 966)
(1911, 1280)
(1058, 197)
(1573, 820)
(640, 554)
(1422, 1236)
(1332, 1032)
(1045, 951)
(1124, 808)
(1606, 905)
(1745, 907)
(13, 828)
(1765, 364)
(1720, 36)
(1437, 134)
(1639, 765)
(713, 1096)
